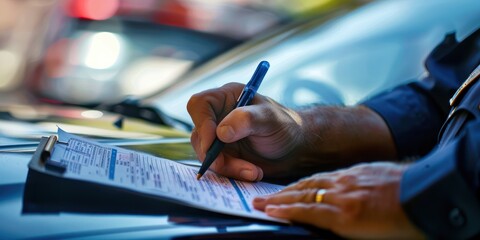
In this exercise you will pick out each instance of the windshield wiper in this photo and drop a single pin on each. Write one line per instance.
(131, 107)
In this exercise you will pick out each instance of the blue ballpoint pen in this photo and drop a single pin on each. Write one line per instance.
(245, 98)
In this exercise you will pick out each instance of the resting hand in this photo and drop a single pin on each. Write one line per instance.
(359, 202)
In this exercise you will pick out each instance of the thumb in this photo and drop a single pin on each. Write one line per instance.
(240, 123)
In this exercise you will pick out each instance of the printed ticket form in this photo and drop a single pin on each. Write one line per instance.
(87, 160)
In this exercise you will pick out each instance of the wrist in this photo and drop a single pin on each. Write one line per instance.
(345, 134)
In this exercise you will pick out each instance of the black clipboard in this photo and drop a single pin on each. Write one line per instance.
(47, 191)
(41, 158)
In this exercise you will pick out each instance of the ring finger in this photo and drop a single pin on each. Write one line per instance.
(316, 182)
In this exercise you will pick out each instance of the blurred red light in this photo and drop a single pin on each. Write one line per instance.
(174, 13)
(93, 9)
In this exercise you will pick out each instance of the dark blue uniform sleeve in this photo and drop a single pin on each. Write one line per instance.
(415, 112)
(440, 192)
(437, 194)
(413, 119)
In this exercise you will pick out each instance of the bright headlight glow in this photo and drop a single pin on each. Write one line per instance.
(103, 50)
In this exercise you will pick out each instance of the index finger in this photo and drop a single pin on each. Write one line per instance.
(201, 107)
(236, 168)
(206, 109)
(213, 104)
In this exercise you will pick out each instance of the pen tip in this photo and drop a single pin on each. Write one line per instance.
(199, 176)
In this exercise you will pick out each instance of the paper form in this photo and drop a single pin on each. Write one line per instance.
(90, 161)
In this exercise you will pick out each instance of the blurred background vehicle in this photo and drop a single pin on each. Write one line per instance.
(87, 52)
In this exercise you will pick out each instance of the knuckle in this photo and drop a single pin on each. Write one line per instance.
(231, 88)
(232, 85)
(308, 195)
(304, 182)
(269, 112)
(245, 115)
(309, 208)
(347, 180)
(193, 101)
(323, 182)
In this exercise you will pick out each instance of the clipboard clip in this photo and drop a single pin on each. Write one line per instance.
(46, 153)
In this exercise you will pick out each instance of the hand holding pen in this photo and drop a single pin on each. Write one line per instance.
(245, 98)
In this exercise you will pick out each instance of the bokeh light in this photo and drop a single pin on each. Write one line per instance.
(93, 9)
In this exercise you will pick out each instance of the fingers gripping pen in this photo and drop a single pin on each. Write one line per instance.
(244, 99)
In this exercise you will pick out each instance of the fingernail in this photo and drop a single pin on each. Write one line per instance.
(259, 200)
(226, 132)
(247, 174)
(259, 174)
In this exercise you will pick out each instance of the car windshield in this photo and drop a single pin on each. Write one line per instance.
(336, 60)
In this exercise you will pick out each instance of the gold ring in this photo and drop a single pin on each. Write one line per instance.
(319, 195)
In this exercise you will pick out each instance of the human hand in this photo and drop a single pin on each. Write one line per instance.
(264, 133)
(359, 202)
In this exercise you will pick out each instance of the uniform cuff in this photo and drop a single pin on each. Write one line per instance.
(437, 198)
